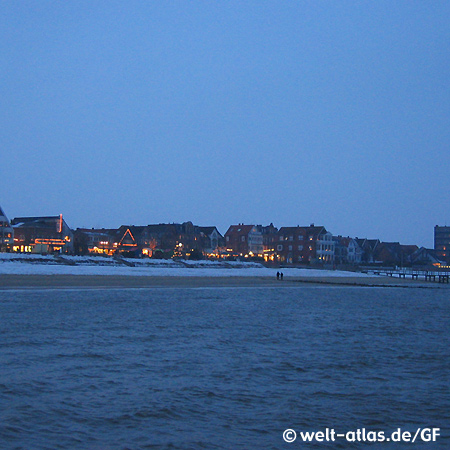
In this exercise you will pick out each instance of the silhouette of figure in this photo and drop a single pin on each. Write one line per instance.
(278, 275)
(281, 275)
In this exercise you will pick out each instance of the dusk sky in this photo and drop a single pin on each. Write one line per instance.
(291, 112)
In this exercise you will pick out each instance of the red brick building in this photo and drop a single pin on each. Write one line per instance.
(313, 244)
(244, 240)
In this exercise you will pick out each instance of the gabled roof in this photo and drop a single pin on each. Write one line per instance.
(128, 238)
(97, 231)
(36, 219)
(312, 229)
(370, 244)
(39, 221)
(284, 230)
(267, 229)
(5, 221)
(409, 249)
(423, 254)
(345, 241)
(136, 230)
(3, 216)
(162, 229)
(239, 230)
(395, 249)
(208, 230)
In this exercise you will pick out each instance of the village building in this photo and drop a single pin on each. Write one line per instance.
(172, 239)
(134, 241)
(47, 234)
(244, 241)
(94, 241)
(426, 257)
(269, 239)
(6, 233)
(394, 254)
(346, 251)
(168, 240)
(442, 243)
(369, 249)
(211, 241)
(311, 245)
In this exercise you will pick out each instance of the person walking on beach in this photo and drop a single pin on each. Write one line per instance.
(278, 275)
(281, 275)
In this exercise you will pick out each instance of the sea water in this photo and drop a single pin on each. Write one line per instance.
(222, 368)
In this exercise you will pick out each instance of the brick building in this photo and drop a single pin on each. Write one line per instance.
(313, 244)
(244, 240)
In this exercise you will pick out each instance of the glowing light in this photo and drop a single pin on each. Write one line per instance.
(50, 241)
(132, 237)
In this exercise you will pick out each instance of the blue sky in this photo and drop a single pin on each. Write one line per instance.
(291, 112)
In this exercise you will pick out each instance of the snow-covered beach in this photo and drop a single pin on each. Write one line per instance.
(14, 264)
(38, 271)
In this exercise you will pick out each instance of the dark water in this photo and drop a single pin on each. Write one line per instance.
(227, 368)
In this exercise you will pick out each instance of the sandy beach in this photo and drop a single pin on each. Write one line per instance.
(38, 272)
(8, 281)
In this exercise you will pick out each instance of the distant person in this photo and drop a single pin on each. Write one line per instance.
(281, 275)
(278, 275)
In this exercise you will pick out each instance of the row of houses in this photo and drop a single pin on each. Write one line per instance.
(157, 240)
(315, 245)
(286, 245)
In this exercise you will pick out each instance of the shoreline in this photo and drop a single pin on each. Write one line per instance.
(29, 282)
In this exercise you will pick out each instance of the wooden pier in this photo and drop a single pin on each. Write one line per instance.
(426, 275)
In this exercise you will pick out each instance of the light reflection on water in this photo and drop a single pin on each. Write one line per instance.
(224, 368)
